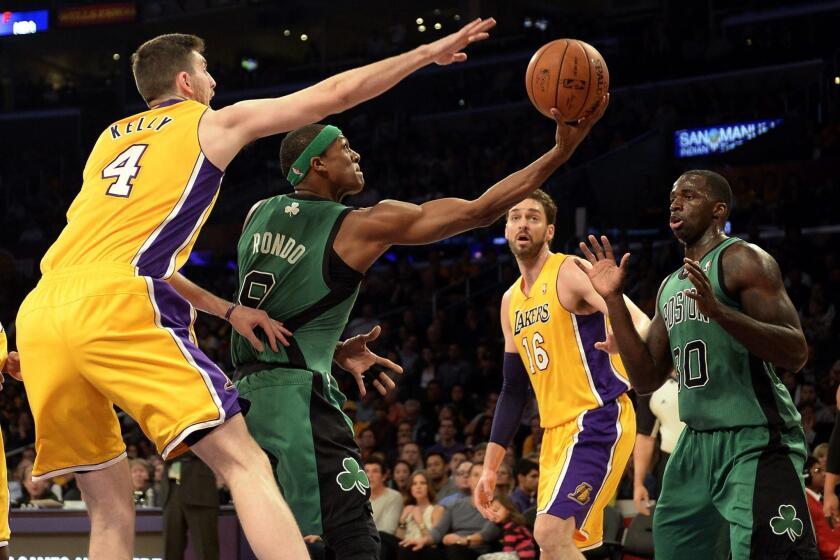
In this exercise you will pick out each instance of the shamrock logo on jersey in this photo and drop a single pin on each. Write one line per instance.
(353, 476)
(787, 523)
(293, 209)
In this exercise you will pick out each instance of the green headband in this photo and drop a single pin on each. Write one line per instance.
(318, 146)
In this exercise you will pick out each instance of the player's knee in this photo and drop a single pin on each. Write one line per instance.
(551, 536)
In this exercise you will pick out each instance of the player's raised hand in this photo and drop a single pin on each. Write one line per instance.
(354, 356)
(483, 495)
(703, 292)
(245, 319)
(449, 49)
(570, 135)
(606, 277)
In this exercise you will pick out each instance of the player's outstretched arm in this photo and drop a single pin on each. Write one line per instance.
(393, 222)
(244, 122)
(769, 325)
(242, 318)
(648, 359)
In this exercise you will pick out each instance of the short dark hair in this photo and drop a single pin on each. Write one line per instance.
(718, 187)
(549, 207)
(524, 466)
(295, 142)
(156, 62)
(377, 461)
(439, 454)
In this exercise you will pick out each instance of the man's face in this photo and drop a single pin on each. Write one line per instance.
(475, 475)
(807, 394)
(446, 430)
(455, 461)
(692, 210)
(530, 481)
(374, 474)
(410, 453)
(342, 167)
(527, 230)
(462, 475)
(403, 434)
(201, 82)
(435, 467)
(817, 477)
(139, 477)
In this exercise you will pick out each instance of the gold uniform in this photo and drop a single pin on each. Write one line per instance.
(589, 422)
(5, 532)
(103, 326)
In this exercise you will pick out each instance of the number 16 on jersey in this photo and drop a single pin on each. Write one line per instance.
(535, 352)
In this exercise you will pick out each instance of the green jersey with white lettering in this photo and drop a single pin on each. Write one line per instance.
(288, 268)
(722, 385)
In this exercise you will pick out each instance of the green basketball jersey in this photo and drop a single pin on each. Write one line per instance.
(722, 385)
(287, 268)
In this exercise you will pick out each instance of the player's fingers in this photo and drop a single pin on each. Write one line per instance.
(265, 323)
(280, 333)
(386, 381)
(624, 260)
(252, 338)
(360, 382)
(379, 387)
(587, 253)
(693, 295)
(581, 266)
(608, 248)
(459, 57)
(385, 362)
(373, 334)
(282, 328)
(599, 252)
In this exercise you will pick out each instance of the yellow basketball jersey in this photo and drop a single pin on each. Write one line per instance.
(569, 375)
(147, 190)
(4, 351)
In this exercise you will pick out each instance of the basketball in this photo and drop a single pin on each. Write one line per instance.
(569, 75)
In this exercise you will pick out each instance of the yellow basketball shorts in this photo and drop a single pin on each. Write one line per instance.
(94, 336)
(581, 465)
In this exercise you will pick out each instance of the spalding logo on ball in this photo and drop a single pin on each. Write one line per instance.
(569, 75)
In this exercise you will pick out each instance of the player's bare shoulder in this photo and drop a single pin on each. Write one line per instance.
(746, 263)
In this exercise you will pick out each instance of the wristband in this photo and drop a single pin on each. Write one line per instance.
(230, 310)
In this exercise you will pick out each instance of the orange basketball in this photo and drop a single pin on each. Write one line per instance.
(569, 75)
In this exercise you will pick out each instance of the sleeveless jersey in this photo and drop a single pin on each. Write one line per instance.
(569, 375)
(4, 351)
(147, 190)
(287, 268)
(722, 385)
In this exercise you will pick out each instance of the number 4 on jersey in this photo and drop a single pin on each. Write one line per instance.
(124, 168)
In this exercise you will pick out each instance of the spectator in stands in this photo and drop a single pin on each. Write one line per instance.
(446, 442)
(504, 480)
(437, 473)
(828, 537)
(478, 453)
(808, 396)
(517, 540)
(532, 442)
(462, 531)
(404, 433)
(461, 476)
(410, 453)
(387, 506)
(141, 475)
(384, 431)
(418, 517)
(455, 370)
(524, 496)
(401, 477)
(367, 443)
(35, 489)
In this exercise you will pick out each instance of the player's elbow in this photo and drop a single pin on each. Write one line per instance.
(799, 356)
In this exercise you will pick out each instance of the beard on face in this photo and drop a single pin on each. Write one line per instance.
(528, 251)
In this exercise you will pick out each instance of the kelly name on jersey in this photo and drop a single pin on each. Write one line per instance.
(279, 245)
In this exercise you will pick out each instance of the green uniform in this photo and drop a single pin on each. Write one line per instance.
(734, 479)
(287, 267)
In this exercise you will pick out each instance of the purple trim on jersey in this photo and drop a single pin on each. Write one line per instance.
(156, 258)
(593, 328)
(588, 465)
(168, 102)
(176, 315)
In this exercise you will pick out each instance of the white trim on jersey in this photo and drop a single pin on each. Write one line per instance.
(81, 468)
